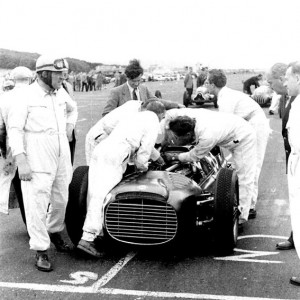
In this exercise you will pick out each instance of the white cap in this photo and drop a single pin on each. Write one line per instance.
(20, 73)
(50, 63)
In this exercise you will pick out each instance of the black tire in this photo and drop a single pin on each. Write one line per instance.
(226, 213)
(76, 208)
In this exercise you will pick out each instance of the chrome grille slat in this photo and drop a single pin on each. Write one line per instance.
(141, 218)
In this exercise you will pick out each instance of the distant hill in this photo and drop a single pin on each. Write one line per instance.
(10, 59)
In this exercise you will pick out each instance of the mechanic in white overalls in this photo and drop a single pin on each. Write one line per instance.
(292, 83)
(106, 124)
(209, 129)
(133, 138)
(22, 77)
(39, 128)
(241, 104)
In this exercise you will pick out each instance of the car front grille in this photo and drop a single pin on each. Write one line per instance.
(141, 218)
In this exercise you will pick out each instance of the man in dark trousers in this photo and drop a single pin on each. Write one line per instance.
(251, 81)
(275, 78)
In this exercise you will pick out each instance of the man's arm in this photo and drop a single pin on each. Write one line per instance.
(17, 118)
(112, 102)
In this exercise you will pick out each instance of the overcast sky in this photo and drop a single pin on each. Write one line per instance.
(217, 33)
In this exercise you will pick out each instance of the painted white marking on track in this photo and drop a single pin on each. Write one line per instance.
(113, 271)
(106, 291)
(81, 277)
(252, 253)
(81, 120)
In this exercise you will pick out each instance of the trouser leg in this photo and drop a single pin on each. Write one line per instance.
(101, 180)
(59, 197)
(36, 196)
(245, 161)
(294, 198)
(262, 135)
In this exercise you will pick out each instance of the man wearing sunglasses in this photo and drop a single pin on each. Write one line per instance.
(39, 128)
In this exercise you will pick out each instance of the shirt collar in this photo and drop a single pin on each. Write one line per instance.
(131, 89)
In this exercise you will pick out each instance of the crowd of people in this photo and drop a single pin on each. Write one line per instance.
(37, 122)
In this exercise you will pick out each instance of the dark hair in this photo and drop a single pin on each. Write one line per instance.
(155, 106)
(182, 125)
(158, 94)
(217, 77)
(295, 67)
(134, 69)
(278, 70)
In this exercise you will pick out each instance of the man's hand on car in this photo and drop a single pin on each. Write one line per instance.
(160, 161)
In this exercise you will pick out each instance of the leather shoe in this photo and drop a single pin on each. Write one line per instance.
(295, 281)
(89, 248)
(59, 243)
(286, 245)
(42, 261)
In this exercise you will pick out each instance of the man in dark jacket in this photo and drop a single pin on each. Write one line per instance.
(133, 90)
(275, 78)
(251, 81)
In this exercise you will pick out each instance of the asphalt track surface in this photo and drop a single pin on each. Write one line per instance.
(255, 271)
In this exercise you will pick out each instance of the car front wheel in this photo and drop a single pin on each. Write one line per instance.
(76, 208)
(226, 213)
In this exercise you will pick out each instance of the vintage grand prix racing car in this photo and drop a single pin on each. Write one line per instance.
(163, 206)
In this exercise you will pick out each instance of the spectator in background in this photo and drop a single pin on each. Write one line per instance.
(123, 78)
(94, 81)
(188, 82)
(251, 81)
(133, 90)
(71, 80)
(100, 79)
(90, 81)
(275, 77)
(84, 82)
(78, 82)
(201, 78)
(117, 79)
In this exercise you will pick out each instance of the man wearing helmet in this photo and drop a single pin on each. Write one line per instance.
(44, 119)
(21, 76)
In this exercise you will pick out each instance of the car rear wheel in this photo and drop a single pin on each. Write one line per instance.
(76, 208)
(226, 213)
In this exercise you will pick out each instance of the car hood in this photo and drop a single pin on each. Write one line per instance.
(170, 186)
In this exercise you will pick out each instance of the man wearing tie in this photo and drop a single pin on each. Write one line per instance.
(133, 90)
